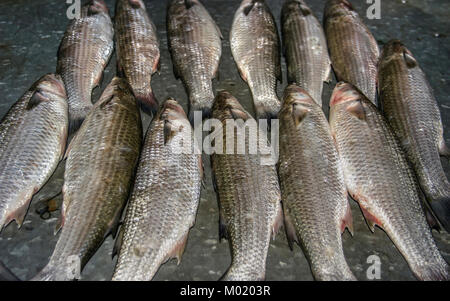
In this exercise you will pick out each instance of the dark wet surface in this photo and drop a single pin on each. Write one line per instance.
(30, 32)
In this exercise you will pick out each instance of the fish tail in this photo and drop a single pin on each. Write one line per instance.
(148, 103)
(6, 274)
(441, 208)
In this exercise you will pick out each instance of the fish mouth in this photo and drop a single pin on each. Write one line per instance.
(344, 92)
(294, 93)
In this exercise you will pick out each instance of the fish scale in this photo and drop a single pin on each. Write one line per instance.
(196, 47)
(99, 172)
(255, 47)
(411, 109)
(353, 50)
(312, 184)
(249, 200)
(163, 204)
(83, 53)
(33, 137)
(378, 176)
(305, 48)
(137, 47)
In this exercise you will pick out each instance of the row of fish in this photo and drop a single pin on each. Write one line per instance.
(359, 153)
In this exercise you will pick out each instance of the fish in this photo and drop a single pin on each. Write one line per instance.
(353, 50)
(255, 46)
(33, 136)
(316, 209)
(411, 109)
(164, 202)
(379, 177)
(249, 196)
(195, 44)
(305, 48)
(137, 44)
(100, 165)
(83, 54)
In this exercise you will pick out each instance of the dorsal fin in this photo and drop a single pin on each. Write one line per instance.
(409, 60)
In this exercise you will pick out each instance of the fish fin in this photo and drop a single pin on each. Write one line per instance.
(291, 234)
(443, 149)
(135, 3)
(35, 100)
(6, 274)
(148, 103)
(178, 249)
(299, 113)
(118, 242)
(347, 220)
(157, 67)
(107, 101)
(371, 219)
(278, 222)
(189, 3)
(242, 74)
(409, 60)
(70, 146)
(249, 7)
(441, 208)
(357, 110)
(169, 131)
(59, 223)
(18, 215)
(431, 219)
(223, 232)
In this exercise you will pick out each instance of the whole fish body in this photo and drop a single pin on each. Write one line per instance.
(354, 51)
(313, 191)
(305, 48)
(378, 176)
(100, 165)
(33, 137)
(411, 109)
(255, 47)
(83, 53)
(137, 47)
(196, 47)
(249, 199)
(164, 202)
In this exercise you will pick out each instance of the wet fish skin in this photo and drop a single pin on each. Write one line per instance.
(100, 165)
(196, 47)
(84, 52)
(313, 191)
(249, 200)
(410, 107)
(353, 50)
(378, 176)
(33, 137)
(137, 47)
(255, 46)
(305, 48)
(164, 202)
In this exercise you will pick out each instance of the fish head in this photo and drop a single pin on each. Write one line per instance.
(248, 5)
(171, 110)
(52, 87)
(295, 94)
(226, 106)
(394, 50)
(337, 8)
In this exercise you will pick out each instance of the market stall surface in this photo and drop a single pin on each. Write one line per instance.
(30, 33)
